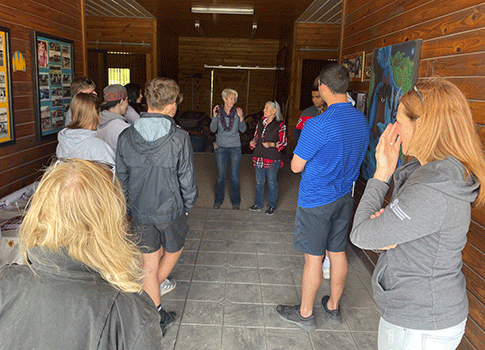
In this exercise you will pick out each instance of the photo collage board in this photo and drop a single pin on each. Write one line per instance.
(6, 109)
(54, 67)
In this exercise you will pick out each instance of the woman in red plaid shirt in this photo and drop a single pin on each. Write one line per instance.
(268, 142)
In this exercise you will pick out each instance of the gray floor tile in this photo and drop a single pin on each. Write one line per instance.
(357, 298)
(182, 273)
(270, 248)
(265, 226)
(202, 313)
(213, 246)
(243, 293)
(288, 228)
(211, 258)
(269, 237)
(230, 226)
(286, 238)
(179, 293)
(273, 261)
(239, 338)
(209, 274)
(278, 339)
(243, 315)
(211, 235)
(241, 247)
(242, 260)
(296, 261)
(191, 245)
(324, 325)
(187, 258)
(241, 236)
(280, 295)
(362, 319)
(206, 291)
(333, 340)
(199, 338)
(366, 340)
(242, 275)
(275, 276)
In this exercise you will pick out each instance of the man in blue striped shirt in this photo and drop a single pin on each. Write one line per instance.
(329, 154)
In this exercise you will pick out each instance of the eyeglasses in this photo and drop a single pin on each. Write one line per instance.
(419, 95)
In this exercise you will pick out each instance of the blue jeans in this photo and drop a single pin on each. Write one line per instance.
(392, 337)
(271, 175)
(223, 156)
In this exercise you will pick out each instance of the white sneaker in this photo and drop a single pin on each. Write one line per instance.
(167, 286)
(326, 268)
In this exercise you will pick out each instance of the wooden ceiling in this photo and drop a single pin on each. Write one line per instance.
(274, 18)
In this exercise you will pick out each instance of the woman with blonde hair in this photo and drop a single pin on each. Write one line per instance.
(268, 142)
(418, 283)
(79, 139)
(228, 121)
(81, 288)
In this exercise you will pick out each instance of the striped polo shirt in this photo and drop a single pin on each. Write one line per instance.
(334, 145)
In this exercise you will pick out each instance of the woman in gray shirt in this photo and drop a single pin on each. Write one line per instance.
(228, 121)
(418, 284)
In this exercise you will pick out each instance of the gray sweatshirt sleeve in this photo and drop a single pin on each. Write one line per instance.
(214, 123)
(417, 211)
(242, 124)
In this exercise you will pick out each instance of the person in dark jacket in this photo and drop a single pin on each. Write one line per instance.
(418, 281)
(81, 287)
(268, 142)
(154, 163)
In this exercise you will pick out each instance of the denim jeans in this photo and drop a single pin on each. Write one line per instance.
(399, 338)
(231, 155)
(271, 175)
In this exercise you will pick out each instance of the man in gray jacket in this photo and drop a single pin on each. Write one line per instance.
(155, 166)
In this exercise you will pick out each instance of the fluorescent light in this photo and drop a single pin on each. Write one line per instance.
(223, 10)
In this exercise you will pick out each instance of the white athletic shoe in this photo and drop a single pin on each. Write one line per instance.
(167, 286)
(326, 268)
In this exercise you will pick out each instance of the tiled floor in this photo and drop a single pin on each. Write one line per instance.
(236, 267)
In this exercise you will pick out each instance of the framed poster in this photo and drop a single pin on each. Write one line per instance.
(7, 130)
(355, 64)
(53, 69)
(394, 72)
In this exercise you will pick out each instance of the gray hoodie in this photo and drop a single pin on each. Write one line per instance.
(110, 127)
(419, 284)
(83, 144)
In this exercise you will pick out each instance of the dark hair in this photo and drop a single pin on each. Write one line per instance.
(133, 91)
(335, 77)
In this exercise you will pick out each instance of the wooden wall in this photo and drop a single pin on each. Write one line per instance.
(126, 31)
(453, 34)
(308, 36)
(193, 53)
(20, 163)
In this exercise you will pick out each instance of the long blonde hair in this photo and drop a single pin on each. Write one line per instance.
(78, 206)
(446, 128)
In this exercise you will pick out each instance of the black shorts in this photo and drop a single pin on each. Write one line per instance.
(170, 236)
(323, 228)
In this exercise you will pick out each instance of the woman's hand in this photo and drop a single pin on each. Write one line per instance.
(252, 144)
(387, 153)
(240, 114)
(376, 215)
(269, 144)
(215, 111)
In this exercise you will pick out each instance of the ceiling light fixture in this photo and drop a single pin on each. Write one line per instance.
(223, 10)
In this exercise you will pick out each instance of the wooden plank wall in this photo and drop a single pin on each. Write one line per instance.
(453, 34)
(195, 52)
(308, 36)
(127, 31)
(20, 163)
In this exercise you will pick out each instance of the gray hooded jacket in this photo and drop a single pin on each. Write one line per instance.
(419, 284)
(83, 144)
(110, 127)
(155, 165)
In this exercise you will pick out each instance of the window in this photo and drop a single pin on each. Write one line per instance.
(118, 76)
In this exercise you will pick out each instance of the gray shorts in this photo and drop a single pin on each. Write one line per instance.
(323, 228)
(170, 236)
